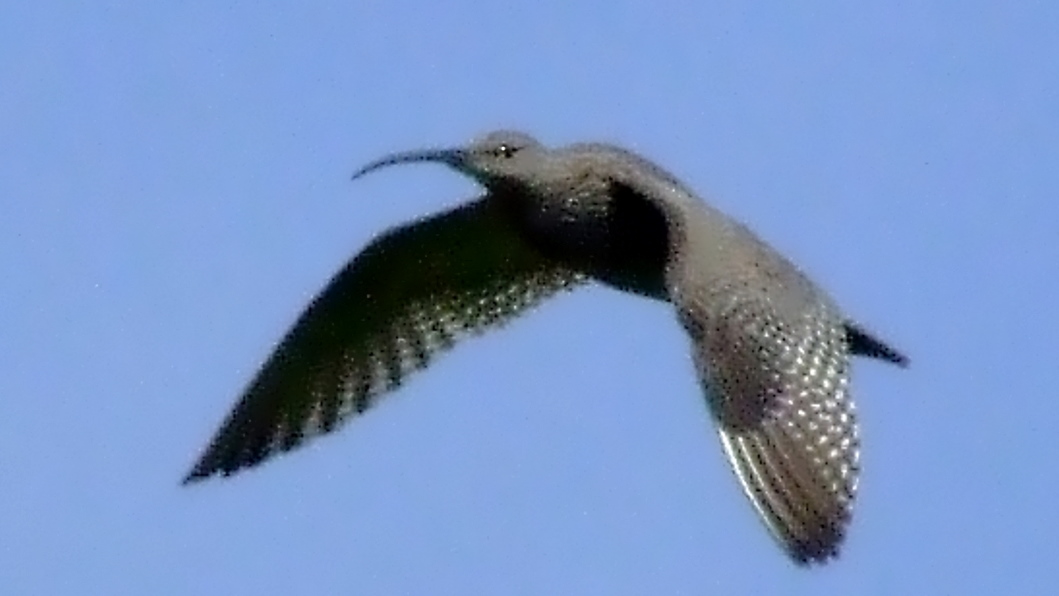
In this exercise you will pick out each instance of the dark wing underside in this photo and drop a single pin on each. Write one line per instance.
(406, 297)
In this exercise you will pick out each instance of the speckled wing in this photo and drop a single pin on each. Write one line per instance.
(410, 294)
(772, 354)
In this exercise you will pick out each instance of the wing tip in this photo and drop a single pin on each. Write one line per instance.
(225, 458)
(211, 465)
(817, 546)
(819, 550)
(194, 477)
(808, 535)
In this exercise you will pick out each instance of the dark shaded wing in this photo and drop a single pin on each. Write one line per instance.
(406, 297)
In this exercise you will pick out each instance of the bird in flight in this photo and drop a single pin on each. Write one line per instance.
(771, 349)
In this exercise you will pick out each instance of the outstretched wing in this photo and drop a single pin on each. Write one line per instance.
(406, 297)
(773, 356)
(772, 353)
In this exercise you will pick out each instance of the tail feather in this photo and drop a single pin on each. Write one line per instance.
(862, 343)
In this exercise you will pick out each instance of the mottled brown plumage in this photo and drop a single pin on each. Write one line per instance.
(771, 349)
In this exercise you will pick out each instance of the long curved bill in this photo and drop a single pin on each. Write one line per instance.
(451, 157)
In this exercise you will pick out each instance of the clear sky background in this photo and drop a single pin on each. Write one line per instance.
(174, 188)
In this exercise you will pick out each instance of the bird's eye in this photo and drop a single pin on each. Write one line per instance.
(506, 150)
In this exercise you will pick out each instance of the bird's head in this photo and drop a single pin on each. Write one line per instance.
(499, 158)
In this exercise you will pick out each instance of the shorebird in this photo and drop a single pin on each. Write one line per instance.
(771, 348)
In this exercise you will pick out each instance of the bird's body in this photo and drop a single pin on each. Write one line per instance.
(771, 349)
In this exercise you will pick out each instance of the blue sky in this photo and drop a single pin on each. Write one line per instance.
(175, 188)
